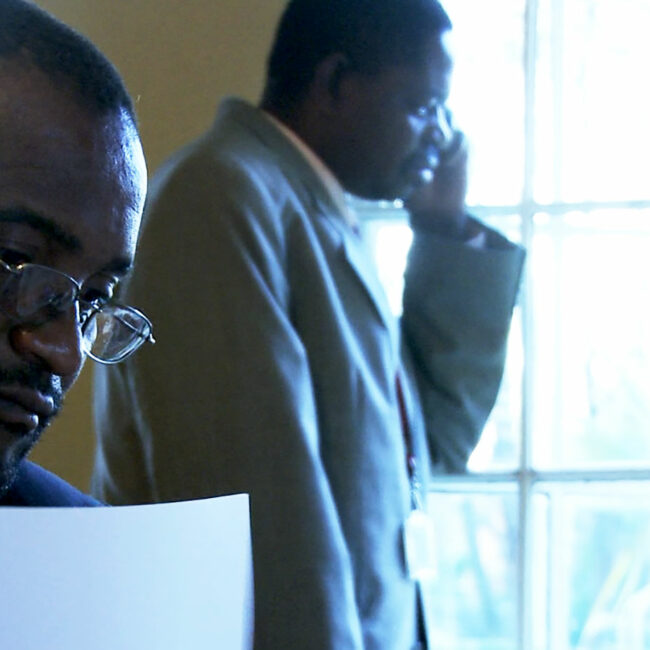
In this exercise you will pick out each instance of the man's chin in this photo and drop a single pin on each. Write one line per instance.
(14, 449)
(7, 477)
(398, 187)
(392, 194)
(408, 183)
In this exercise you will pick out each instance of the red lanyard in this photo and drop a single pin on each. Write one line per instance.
(411, 463)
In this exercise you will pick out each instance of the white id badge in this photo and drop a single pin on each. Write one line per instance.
(419, 546)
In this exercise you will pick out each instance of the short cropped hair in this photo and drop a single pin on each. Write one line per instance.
(30, 34)
(371, 33)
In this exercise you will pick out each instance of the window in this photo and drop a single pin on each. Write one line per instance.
(545, 544)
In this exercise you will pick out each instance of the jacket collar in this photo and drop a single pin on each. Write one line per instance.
(315, 194)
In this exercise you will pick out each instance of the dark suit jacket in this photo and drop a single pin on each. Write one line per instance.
(35, 486)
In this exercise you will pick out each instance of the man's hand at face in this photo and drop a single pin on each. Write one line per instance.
(439, 205)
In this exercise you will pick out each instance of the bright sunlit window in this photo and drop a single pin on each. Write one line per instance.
(545, 544)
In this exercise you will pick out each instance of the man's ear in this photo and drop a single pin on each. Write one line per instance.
(328, 76)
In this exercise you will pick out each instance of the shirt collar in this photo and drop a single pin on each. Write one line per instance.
(331, 183)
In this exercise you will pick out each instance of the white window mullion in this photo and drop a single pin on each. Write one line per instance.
(557, 72)
(525, 560)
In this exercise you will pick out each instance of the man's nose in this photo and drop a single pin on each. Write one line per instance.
(55, 344)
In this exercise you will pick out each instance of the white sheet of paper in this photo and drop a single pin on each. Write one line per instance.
(172, 576)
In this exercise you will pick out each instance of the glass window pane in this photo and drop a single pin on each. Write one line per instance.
(591, 357)
(592, 104)
(499, 446)
(487, 95)
(599, 583)
(389, 240)
(472, 602)
(538, 558)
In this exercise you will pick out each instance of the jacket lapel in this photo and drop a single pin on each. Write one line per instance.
(306, 183)
(358, 261)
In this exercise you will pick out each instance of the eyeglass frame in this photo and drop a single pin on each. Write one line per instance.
(17, 270)
(437, 113)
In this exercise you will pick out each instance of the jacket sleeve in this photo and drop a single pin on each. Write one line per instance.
(458, 304)
(196, 417)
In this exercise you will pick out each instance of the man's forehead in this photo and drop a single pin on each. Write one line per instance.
(438, 52)
(429, 65)
(35, 108)
(27, 91)
(69, 174)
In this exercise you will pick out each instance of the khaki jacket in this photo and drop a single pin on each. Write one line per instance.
(274, 374)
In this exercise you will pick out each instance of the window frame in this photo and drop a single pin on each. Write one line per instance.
(526, 479)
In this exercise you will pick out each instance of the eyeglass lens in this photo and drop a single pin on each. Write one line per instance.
(115, 332)
(37, 294)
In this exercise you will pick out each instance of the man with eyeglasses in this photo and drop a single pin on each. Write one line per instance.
(281, 371)
(72, 188)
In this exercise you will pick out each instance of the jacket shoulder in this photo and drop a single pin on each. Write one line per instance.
(36, 487)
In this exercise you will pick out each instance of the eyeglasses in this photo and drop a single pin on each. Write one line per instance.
(34, 294)
(440, 115)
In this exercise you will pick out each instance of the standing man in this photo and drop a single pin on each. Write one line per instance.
(72, 187)
(281, 371)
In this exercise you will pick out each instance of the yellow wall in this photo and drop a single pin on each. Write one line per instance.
(178, 58)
